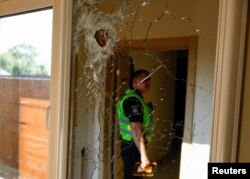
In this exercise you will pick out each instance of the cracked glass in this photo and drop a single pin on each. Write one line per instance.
(174, 40)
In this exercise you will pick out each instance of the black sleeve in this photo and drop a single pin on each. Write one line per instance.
(133, 109)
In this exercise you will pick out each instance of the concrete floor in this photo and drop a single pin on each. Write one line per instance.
(8, 172)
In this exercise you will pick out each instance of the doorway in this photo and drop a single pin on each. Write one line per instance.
(168, 95)
(173, 72)
(171, 116)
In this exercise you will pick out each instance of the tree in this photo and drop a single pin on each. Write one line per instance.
(20, 60)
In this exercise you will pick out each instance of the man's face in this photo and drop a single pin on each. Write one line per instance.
(142, 82)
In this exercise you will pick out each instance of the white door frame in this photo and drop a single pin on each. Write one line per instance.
(60, 82)
(228, 79)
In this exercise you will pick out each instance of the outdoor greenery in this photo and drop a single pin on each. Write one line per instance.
(21, 60)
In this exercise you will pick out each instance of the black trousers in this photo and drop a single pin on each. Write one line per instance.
(130, 155)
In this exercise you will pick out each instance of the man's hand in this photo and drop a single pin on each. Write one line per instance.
(144, 161)
(137, 133)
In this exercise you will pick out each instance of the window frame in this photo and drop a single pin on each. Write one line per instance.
(8, 7)
(60, 76)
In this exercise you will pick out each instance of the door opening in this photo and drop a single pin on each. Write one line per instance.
(168, 96)
(172, 63)
(169, 164)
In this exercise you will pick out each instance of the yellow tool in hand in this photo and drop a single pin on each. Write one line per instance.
(147, 171)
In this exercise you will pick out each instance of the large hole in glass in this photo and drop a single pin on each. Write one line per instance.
(174, 41)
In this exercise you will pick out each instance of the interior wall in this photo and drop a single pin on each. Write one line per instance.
(162, 100)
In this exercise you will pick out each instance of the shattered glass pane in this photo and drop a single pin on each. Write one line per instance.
(111, 40)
